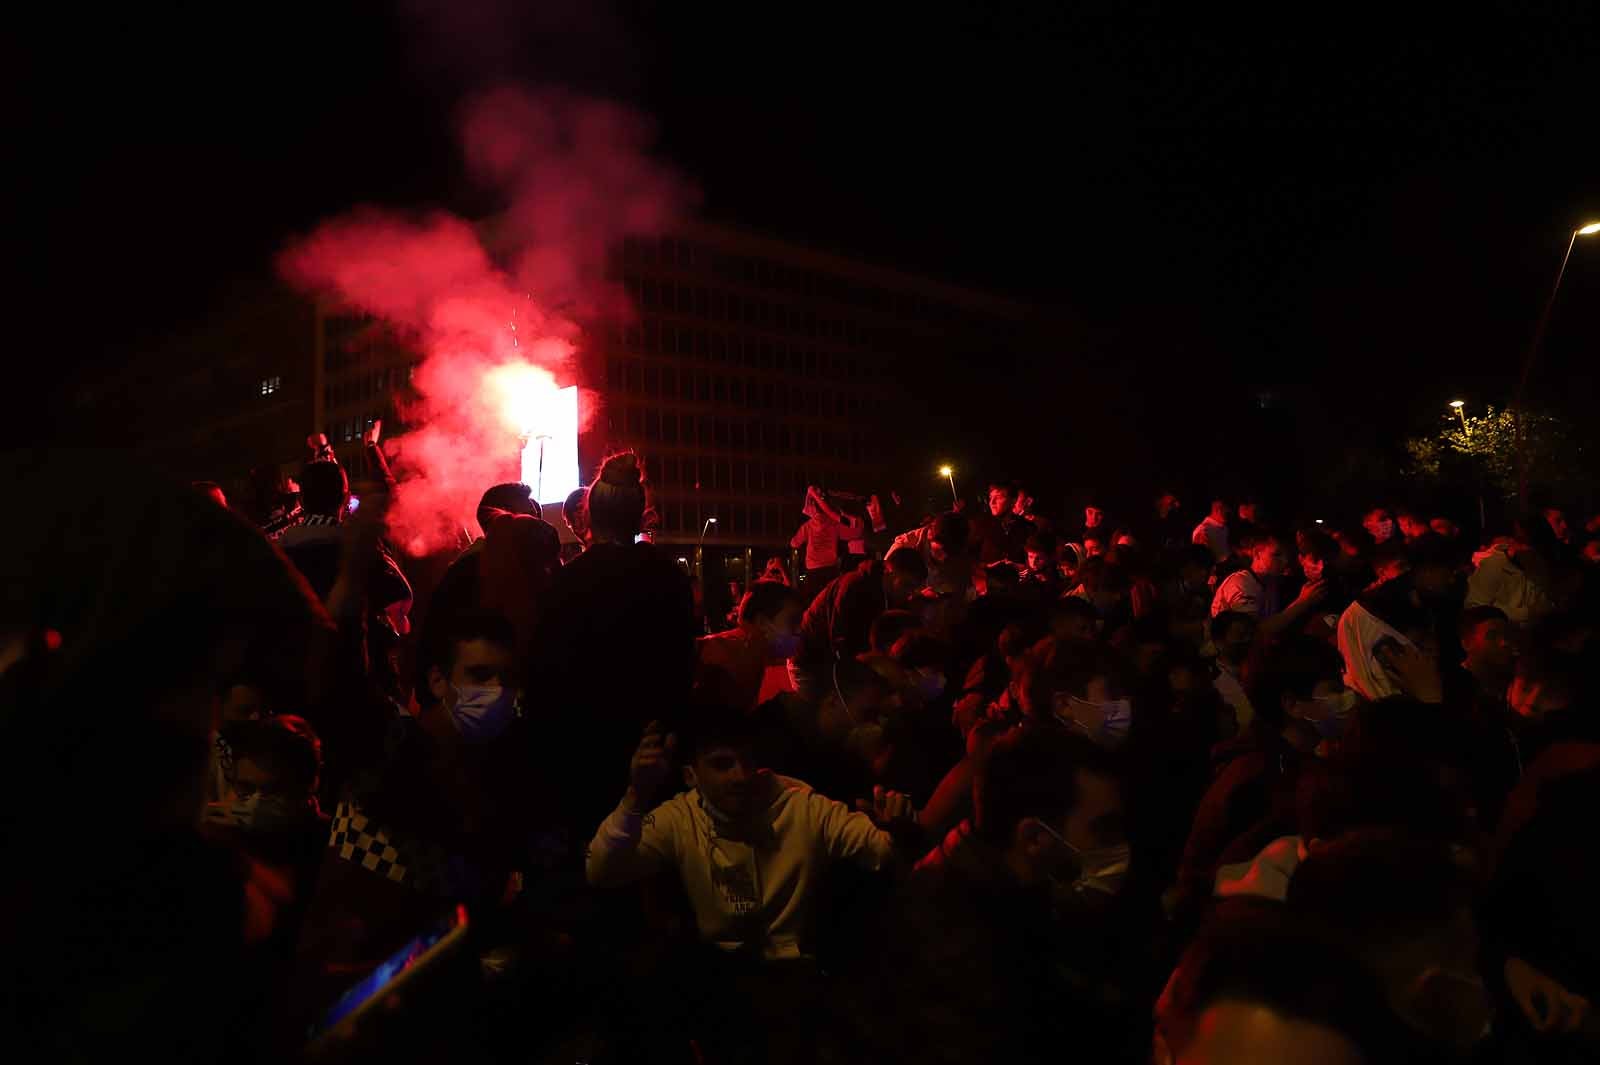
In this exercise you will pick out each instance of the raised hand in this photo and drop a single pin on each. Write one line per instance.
(651, 763)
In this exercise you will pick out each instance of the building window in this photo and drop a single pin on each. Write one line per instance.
(269, 385)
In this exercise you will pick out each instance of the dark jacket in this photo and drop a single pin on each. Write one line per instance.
(839, 621)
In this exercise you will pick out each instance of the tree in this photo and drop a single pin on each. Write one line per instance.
(1482, 451)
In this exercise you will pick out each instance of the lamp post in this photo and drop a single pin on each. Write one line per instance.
(700, 563)
(1586, 230)
(1459, 406)
(949, 474)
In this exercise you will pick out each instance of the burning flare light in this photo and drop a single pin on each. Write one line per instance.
(545, 417)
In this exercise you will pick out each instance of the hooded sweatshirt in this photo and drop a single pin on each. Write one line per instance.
(1498, 581)
(751, 885)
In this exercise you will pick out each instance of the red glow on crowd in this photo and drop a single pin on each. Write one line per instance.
(494, 308)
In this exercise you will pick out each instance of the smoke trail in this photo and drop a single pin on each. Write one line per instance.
(576, 176)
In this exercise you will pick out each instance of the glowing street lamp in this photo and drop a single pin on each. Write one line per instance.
(950, 475)
(1585, 230)
(1459, 406)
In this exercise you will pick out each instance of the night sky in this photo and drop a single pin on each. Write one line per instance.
(1363, 217)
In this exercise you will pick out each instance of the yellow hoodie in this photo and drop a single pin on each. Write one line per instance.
(751, 884)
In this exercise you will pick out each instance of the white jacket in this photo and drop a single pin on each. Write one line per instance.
(749, 888)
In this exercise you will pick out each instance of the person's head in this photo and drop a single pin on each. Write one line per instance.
(1545, 682)
(1080, 686)
(1379, 523)
(1269, 557)
(1024, 502)
(1233, 633)
(949, 537)
(1073, 618)
(1105, 583)
(772, 610)
(575, 512)
(1052, 804)
(1557, 520)
(856, 700)
(1094, 544)
(889, 626)
(1193, 563)
(1301, 686)
(1315, 550)
(1219, 510)
(1445, 528)
(211, 490)
(904, 575)
(618, 499)
(324, 489)
(775, 571)
(925, 658)
(1042, 549)
(474, 679)
(1389, 559)
(1485, 633)
(245, 695)
(1093, 516)
(1260, 986)
(875, 509)
(511, 497)
(277, 757)
(1433, 569)
(1001, 499)
(1250, 511)
(718, 749)
(1403, 906)
(1167, 504)
(1591, 552)
(1413, 526)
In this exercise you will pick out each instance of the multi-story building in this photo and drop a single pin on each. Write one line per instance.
(752, 368)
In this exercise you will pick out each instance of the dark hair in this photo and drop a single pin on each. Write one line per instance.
(1033, 773)
(1265, 957)
(919, 649)
(1008, 487)
(889, 626)
(285, 746)
(618, 498)
(705, 728)
(324, 488)
(573, 506)
(909, 562)
(1360, 792)
(1316, 543)
(766, 599)
(1377, 886)
(1226, 618)
(952, 531)
(1474, 616)
(491, 626)
(1055, 665)
(511, 497)
(1294, 667)
(1042, 543)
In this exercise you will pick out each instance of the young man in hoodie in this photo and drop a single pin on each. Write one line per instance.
(752, 850)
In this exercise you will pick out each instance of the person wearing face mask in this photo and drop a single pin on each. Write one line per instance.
(1379, 523)
(734, 664)
(994, 949)
(1301, 708)
(1404, 907)
(444, 816)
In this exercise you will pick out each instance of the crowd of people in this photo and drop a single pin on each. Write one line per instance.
(979, 787)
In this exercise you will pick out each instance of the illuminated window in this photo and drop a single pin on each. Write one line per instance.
(269, 385)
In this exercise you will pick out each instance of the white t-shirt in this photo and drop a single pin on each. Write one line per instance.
(1212, 534)
(1241, 591)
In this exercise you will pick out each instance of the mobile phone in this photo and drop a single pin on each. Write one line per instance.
(421, 953)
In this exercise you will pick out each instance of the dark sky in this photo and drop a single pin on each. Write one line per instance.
(1370, 213)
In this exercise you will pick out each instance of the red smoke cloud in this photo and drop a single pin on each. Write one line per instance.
(576, 176)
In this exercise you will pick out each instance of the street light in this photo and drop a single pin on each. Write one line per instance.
(950, 475)
(1585, 230)
(709, 522)
(1459, 406)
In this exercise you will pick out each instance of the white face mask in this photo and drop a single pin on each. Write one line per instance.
(1106, 723)
(483, 711)
(1101, 871)
(1333, 714)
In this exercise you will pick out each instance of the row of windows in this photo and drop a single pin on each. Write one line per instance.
(269, 385)
(734, 520)
(720, 305)
(671, 427)
(348, 429)
(736, 349)
(675, 475)
(631, 377)
(372, 385)
(677, 253)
